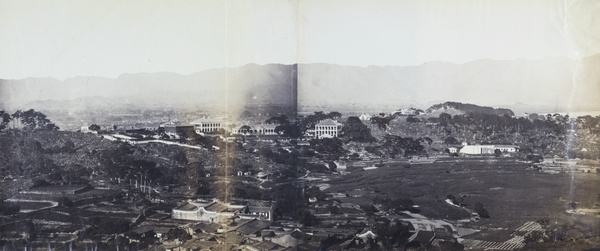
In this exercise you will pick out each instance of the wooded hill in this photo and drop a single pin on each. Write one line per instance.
(470, 109)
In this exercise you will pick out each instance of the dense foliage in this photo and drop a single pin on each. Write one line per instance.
(355, 130)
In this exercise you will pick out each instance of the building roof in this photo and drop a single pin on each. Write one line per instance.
(206, 227)
(422, 237)
(328, 122)
(505, 146)
(216, 207)
(187, 207)
(297, 234)
(207, 120)
(266, 245)
(252, 227)
(265, 126)
(260, 209)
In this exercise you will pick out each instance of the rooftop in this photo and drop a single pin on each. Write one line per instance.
(328, 122)
(187, 207)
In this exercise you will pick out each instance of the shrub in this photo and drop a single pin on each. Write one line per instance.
(479, 209)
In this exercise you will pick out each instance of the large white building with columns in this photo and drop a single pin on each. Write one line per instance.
(328, 128)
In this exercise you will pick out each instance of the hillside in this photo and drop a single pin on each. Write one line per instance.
(60, 157)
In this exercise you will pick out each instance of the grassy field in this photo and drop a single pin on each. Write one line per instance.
(511, 192)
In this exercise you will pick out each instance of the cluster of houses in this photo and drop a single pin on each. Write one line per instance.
(252, 226)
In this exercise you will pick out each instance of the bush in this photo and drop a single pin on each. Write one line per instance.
(534, 236)
(178, 233)
(479, 209)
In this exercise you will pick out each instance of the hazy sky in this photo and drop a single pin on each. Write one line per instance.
(63, 39)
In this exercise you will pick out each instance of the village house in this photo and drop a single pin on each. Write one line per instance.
(452, 149)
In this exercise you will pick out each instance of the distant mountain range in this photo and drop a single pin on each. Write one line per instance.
(552, 84)
(250, 84)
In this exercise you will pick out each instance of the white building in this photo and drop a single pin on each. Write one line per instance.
(208, 211)
(406, 111)
(218, 212)
(328, 128)
(206, 125)
(452, 149)
(486, 149)
(256, 129)
(365, 116)
(266, 129)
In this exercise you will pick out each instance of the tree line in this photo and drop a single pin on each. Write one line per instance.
(29, 120)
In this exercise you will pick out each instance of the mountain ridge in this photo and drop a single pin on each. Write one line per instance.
(555, 83)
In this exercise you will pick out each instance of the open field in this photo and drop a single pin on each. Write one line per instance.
(512, 193)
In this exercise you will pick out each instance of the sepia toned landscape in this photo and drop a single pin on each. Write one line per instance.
(307, 136)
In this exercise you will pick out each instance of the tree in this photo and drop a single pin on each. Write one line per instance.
(392, 233)
(533, 237)
(412, 119)
(179, 234)
(96, 128)
(280, 120)
(32, 120)
(382, 121)
(450, 141)
(334, 115)
(454, 200)
(331, 146)
(4, 119)
(479, 209)
(396, 145)
(203, 188)
(289, 130)
(355, 130)
(497, 152)
(445, 118)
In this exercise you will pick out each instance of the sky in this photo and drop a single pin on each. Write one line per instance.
(67, 38)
